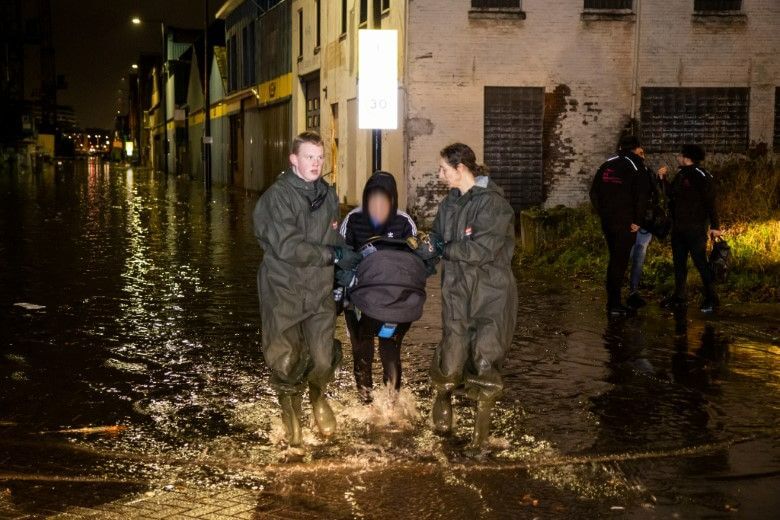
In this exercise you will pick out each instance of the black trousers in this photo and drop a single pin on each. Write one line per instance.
(362, 332)
(619, 242)
(693, 243)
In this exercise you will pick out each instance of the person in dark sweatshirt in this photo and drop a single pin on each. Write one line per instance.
(377, 216)
(694, 219)
(619, 196)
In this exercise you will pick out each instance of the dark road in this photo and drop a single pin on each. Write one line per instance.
(130, 366)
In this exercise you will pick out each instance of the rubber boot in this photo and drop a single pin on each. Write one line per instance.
(291, 418)
(442, 412)
(323, 413)
(482, 424)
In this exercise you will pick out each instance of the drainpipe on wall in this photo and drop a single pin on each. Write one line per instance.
(635, 74)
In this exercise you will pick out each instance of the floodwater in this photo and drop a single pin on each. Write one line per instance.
(140, 319)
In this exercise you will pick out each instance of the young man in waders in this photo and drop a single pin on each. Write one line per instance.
(296, 223)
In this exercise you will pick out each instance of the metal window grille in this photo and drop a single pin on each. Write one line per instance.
(513, 142)
(488, 4)
(717, 5)
(609, 4)
(715, 118)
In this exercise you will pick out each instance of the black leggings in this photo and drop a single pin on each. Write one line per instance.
(362, 333)
(693, 243)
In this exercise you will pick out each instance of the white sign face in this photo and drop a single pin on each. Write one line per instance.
(378, 79)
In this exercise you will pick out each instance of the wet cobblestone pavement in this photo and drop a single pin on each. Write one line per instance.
(132, 385)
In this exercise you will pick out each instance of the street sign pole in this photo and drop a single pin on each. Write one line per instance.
(206, 100)
(376, 147)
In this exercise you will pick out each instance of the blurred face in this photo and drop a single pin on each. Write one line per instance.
(307, 163)
(379, 207)
(448, 174)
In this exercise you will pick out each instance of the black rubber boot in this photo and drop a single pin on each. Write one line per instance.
(323, 413)
(442, 412)
(291, 418)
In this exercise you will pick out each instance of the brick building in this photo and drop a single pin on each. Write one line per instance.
(542, 89)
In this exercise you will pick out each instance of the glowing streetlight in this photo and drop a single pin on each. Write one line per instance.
(134, 66)
(135, 20)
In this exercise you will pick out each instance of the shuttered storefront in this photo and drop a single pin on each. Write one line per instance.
(266, 144)
(513, 142)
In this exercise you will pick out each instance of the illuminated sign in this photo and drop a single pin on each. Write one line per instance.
(378, 79)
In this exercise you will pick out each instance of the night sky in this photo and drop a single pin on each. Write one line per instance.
(96, 44)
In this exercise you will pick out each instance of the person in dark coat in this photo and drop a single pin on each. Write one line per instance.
(296, 223)
(619, 196)
(474, 234)
(694, 218)
(377, 216)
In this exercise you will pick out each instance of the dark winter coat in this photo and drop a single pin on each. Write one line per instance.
(692, 200)
(620, 192)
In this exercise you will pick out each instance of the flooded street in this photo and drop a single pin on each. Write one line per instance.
(130, 366)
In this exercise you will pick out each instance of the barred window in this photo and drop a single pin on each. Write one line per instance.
(717, 5)
(715, 118)
(609, 4)
(493, 4)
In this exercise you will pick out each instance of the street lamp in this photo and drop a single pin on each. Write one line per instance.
(136, 20)
(134, 66)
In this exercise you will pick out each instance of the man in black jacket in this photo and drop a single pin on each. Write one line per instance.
(692, 204)
(619, 196)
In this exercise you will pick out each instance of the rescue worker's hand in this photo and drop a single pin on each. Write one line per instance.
(715, 233)
(344, 278)
(634, 228)
(345, 258)
(428, 246)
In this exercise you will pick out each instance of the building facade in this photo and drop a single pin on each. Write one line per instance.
(325, 70)
(541, 89)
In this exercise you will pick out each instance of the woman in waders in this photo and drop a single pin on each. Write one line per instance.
(474, 234)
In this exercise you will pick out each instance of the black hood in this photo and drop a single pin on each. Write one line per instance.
(384, 182)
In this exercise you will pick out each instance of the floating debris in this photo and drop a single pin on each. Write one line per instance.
(29, 306)
(90, 430)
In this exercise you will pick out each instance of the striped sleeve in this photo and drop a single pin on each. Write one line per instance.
(411, 221)
(345, 222)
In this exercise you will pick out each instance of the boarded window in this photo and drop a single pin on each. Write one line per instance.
(777, 120)
(494, 4)
(343, 16)
(609, 4)
(318, 14)
(300, 33)
(715, 118)
(717, 5)
(312, 90)
(513, 142)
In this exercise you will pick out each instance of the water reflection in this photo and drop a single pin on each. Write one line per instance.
(151, 322)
